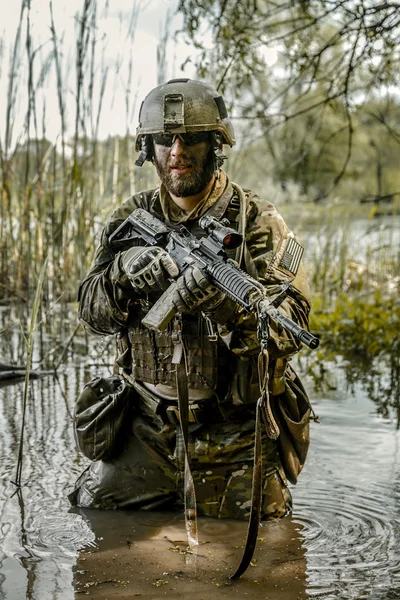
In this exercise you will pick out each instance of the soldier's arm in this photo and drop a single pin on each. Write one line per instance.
(103, 303)
(266, 237)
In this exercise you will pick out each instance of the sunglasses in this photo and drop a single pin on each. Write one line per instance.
(189, 139)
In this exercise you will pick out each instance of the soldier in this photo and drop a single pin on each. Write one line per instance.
(131, 426)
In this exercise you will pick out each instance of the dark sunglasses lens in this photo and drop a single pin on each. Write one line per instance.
(189, 139)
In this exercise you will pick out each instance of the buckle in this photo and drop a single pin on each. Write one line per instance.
(176, 336)
(196, 414)
(211, 334)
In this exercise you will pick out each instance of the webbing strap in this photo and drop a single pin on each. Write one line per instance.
(264, 417)
(242, 223)
(183, 404)
(256, 496)
(271, 426)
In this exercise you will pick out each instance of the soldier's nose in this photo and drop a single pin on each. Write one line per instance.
(178, 147)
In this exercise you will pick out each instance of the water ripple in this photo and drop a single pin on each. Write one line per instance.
(59, 533)
(350, 541)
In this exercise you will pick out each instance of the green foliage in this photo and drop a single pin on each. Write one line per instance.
(336, 44)
(367, 327)
(321, 114)
(356, 309)
(320, 154)
(360, 334)
(356, 300)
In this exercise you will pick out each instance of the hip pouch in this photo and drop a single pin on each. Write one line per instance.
(101, 414)
(292, 412)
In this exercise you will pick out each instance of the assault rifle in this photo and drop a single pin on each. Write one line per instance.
(209, 253)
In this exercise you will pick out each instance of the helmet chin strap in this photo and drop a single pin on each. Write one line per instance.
(146, 151)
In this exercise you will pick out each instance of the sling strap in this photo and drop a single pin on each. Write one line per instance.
(183, 403)
(264, 417)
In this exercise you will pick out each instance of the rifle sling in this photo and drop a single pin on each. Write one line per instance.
(264, 417)
(256, 496)
(183, 405)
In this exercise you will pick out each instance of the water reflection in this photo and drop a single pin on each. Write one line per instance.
(347, 500)
(38, 537)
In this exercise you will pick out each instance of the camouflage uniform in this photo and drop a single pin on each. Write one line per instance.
(146, 469)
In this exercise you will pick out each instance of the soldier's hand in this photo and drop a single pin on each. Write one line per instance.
(147, 269)
(194, 291)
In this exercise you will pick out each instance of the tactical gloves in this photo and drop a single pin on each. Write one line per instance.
(195, 291)
(146, 269)
(143, 270)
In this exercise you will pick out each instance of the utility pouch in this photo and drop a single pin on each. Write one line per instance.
(101, 415)
(292, 411)
(245, 383)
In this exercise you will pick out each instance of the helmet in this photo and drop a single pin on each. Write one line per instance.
(183, 106)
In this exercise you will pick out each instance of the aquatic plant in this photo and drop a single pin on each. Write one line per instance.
(29, 339)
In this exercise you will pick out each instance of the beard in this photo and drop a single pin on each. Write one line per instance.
(187, 184)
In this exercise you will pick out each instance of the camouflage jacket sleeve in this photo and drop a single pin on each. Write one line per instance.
(103, 306)
(267, 236)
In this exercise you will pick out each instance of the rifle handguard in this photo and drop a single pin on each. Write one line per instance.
(164, 309)
(234, 282)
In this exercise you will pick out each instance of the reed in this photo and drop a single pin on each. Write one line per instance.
(29, 341)
(356, 313)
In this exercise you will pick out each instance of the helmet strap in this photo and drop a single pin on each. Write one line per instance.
(146, 152)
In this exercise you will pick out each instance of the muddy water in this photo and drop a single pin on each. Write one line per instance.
(145, 555)
(342, 541)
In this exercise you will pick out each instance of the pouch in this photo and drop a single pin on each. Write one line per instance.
(292, 412)
(245, 387)
(101, 415)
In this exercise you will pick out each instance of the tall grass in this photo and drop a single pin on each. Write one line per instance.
(356, 309)
(56, 193)
(29, 350)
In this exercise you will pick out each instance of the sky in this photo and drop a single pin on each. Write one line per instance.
(114, 50)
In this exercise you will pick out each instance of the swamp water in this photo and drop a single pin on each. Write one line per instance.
(342, 541)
